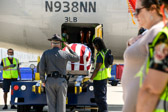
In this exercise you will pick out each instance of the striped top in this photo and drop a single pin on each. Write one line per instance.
(84, 53)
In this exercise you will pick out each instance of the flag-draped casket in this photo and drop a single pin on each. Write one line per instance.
(84, 53)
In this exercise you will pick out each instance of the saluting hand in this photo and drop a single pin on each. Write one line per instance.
(67, 45)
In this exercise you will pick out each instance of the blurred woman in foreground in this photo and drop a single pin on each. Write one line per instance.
(149, 17)
(153, 95)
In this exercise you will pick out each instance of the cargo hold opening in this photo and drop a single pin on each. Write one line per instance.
(74, 30)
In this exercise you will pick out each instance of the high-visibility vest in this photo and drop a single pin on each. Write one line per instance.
(162, 105)
(11, 72)
(103, 73)
(65, 40)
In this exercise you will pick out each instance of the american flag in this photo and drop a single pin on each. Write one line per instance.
(84, 53)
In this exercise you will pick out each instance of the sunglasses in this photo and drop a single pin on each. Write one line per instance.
(137, 11)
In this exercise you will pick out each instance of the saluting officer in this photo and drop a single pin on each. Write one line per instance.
(53, 62)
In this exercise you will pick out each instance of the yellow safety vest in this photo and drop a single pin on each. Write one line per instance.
(103, 73)
(162, 105)
(11, 72)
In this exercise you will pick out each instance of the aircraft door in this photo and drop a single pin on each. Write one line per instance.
(99, 31)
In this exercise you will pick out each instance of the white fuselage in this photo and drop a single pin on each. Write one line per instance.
(27, 24)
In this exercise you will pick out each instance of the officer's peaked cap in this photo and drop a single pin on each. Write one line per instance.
(56, 38)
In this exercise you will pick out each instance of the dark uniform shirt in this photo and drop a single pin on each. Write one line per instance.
(55, 60)
(99, 59)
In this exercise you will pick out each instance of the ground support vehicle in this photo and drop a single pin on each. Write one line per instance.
(28, 94)
(24, 98)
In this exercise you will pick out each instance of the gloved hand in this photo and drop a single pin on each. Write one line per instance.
(12, 65)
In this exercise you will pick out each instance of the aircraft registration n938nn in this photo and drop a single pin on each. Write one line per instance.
(26, 25)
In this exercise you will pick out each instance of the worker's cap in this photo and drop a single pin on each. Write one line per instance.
(55, 38)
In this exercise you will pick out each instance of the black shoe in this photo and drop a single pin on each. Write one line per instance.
(5, 107)
(13, 107)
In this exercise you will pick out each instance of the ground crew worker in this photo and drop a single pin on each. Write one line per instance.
(65, 37)
(100, 75)
(53, 62)
(153, 94)
(10, 73)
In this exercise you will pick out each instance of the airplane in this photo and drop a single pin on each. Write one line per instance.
(25, 25)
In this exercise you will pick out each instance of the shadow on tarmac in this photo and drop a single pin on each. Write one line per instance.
(111, 108)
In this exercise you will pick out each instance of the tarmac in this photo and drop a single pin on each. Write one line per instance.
(114, 100)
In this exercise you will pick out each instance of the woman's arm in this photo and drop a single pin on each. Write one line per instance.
(151, 90)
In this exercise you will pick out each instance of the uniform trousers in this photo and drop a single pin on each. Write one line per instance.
(100, 92)
(56, 92)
